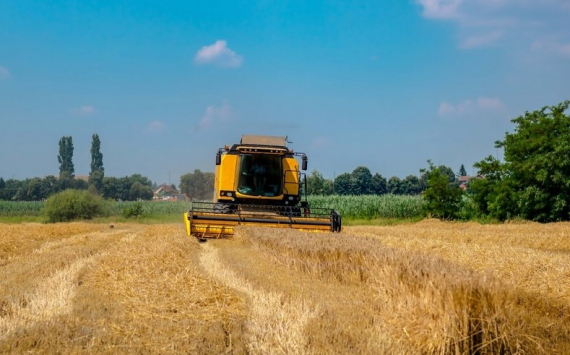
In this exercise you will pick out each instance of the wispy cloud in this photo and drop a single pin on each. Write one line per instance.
(552, 46)
(214, 115)
(440, 9)
(154, 127)
(471, 107)
(82, 111)
(4, 73)
(484, 23)
(481, 40)
(218, 54)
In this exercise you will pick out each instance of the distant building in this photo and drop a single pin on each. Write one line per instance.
(167, 193)
(464, 181)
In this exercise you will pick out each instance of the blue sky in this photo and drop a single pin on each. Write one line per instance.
(383, 84)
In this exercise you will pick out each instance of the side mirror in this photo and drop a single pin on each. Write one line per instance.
(305, 161)
(218, 159)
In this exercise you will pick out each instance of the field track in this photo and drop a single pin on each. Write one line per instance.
(430, 287)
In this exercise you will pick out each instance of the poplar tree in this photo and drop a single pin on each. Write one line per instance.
(97, 170)
(65, 158)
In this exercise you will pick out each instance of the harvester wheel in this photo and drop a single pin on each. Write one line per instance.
(337, 222)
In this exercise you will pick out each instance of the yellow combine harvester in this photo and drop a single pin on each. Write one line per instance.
(258, 183)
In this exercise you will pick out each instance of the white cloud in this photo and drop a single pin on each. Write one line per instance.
(460, 109)
(218, 54)
(471, 107)
(4, 73)
(440, 9)
(551, 46)
(487, 103)
(483, 23)
(214, 115)
(82, 111)
(482, 40)
(154, 127)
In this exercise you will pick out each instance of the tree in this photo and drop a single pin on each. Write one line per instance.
(122, 188)
(139, 191)
(493, 194)
(342, 184)
(65, 158)
(394, 185)
(11, 186)
(318, 185)
(378, 184)
(35, 190)
(441, 198)
(533, 180)
(361, 179)
(462, 171)
(138, 178)
(197, 185)
(449, 174)
(97, 172)
(20, 195)
(411, 185)
(49, 185)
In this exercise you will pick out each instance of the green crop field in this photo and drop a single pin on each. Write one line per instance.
(371, 206)
(350, 207)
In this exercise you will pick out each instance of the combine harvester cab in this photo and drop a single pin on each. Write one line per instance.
(258, 183)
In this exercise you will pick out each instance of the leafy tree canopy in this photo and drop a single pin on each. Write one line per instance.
(394, 185)
(97, 170)
(441, 198)
(361, 181)
(198, 185)
(65, 158)
(342, 184)
(411, 185)
(533, 182)
(379, 184)
(318, 185)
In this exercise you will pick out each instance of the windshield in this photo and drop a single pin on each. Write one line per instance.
(260, 175)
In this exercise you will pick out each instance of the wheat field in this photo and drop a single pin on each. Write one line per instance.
(424, 288)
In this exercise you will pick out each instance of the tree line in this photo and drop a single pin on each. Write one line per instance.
(200, 185)
(128, 188)
(532, 182)
(361, 182)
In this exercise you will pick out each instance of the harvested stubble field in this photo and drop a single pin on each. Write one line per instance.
(426, 288)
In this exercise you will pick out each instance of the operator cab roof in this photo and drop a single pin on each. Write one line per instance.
(273, 141)
(262, 144)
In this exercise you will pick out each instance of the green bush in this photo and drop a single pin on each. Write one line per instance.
(467, 209)
(134, 210)
(442, 198)
(72, 205)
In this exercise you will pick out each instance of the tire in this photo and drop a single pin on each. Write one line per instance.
(337, 222)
